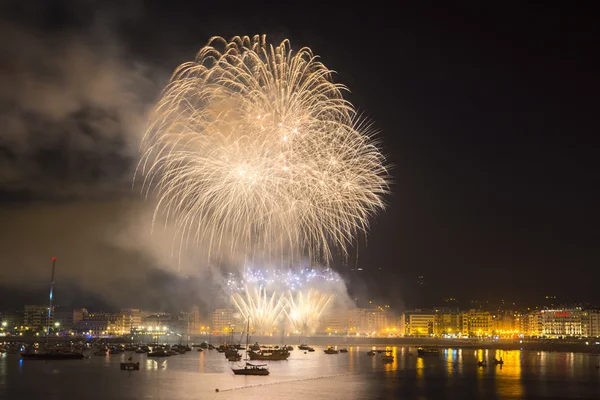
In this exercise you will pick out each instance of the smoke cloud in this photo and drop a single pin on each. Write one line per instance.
(74, 101)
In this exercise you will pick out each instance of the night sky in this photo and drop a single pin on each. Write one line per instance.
(489, 117)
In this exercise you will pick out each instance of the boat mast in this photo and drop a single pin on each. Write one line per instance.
(50, 306)
(247, 334)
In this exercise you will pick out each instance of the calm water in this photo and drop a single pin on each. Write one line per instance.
(452, 375)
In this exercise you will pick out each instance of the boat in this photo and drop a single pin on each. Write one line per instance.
(371, 353)
(481, 363)
(424, 351)
(498, 362)
(254, 347)
(52, 355)
(158, 353)
(230, 351)
(200, 350)
(303, 347)
(331, 350)
(289, 348)
(251, 369)
(270, 355)
(100, 352)
(388, 357)
(344, 350)
(130, 366)
(311, 349)
(140, 351)
(234, 357)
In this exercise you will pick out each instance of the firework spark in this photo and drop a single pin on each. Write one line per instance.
(305, 310)
(254, 295)
(252, 147)
(263, 311)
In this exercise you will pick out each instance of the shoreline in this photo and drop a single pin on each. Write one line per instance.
(551, 345)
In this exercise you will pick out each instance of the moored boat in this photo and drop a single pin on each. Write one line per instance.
(331, 350)
(130, 366)
(428, 351)
(270, 355)
(252, 369)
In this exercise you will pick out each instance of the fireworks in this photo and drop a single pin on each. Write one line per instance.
(253, 148)
(264, 311)
(255, 296)
(306, 309)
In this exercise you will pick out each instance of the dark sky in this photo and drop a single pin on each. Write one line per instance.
(489, 117)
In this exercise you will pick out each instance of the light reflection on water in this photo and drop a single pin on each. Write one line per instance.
(454, 374)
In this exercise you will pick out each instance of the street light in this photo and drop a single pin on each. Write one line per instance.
(4, 324)
(57, 324)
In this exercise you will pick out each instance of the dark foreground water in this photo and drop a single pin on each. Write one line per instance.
(452, 375)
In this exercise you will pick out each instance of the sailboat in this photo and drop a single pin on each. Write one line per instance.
(250, 369)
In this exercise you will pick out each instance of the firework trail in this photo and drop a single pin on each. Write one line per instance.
(253, 148)
(264, 311)
(305, 309)
(254, 295)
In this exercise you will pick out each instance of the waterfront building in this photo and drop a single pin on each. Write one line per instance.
(376, 320)
(194, 318)
(418, 323)
(476, 323)
(35, 318)
(221, 320)
(594, 323)
(132, 318)
(78, 315)
(506, 324)
(565, 322)
(357, 320)
(102, 324)
(64, 319)
(447, 322)
(157, 320)
(335, 322)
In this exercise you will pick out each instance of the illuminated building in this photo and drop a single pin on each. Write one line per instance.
(476, 323)
(376, 320)
(64, 319)
(565, 322)
(595, 323)
(506, 324)
(447, 321)
(102, 325)
(357, 320)
(418, 323)
(194, 321)
(335, 322)
(36, 317)
(132, 317)
(221, 320)
(156, 320)
(79, 314)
